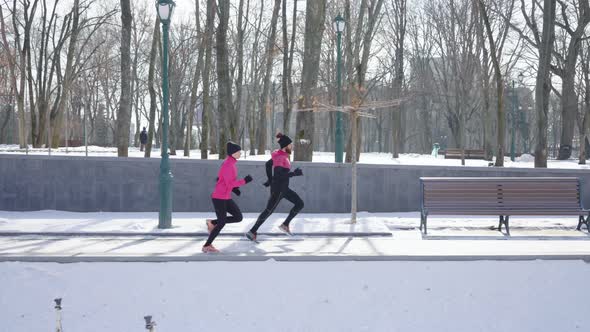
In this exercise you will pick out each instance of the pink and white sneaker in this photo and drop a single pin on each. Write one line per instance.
(210, 225)
(285, 229)
(210, 249)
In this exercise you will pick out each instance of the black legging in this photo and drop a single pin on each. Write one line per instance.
(222, 208)
(273, 201)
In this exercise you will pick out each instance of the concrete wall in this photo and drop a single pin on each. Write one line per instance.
(131, 184)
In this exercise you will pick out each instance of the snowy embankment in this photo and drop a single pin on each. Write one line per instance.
(304, 296)
(525, 161)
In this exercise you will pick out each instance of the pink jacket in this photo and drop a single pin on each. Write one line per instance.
(280, 158)
(227, 179)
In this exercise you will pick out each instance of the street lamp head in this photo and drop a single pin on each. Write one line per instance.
(165, 9)
(339, 24)
(520, 78)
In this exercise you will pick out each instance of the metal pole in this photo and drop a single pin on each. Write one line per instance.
(49, 132)
(165, 217)
(339, 149)
(85, 137)
(150, 325)
(57, 307)
(67, 125)
(512, 144)
(353, 189)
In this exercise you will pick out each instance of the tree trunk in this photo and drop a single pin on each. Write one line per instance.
(314, 30)
(499, 86)
(195, 86)
(57, 123)
(207, 106)
(543, 84)
(151, 89)
(124, 112)
(264, 98)
(586, 117)
(484, 75)
(239, 105)
(287, 84)
(569, 96)
(224, 93)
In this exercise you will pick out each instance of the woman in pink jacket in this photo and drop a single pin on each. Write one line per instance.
(227, 183)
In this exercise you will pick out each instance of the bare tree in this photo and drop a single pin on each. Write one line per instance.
(566, 70)
(264, 97)
(455, 69)
(23, 50)
(224, 93)
(151, 89)
(124, 112)
(195, 82)
(207, 103)
(314, 29)
(398, 21)
(358, 52)
(543, 84)
(69, 76)
(288, 50)
(496, 46)
(584, 121)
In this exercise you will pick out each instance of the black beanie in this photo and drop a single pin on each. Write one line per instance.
(283, 140)
(232, 148)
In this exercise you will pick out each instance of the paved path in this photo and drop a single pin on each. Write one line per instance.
(409, 246)
(54, 236)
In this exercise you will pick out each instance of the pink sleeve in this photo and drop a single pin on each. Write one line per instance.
(229, 182)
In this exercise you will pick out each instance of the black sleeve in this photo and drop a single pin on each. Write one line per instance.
(269, 170)
(282, 173)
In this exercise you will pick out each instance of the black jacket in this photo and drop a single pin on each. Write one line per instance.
(143, 137)
(279, 181)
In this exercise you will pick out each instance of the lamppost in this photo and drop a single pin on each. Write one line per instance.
(514, 106)
(339, 25)
(165, 9)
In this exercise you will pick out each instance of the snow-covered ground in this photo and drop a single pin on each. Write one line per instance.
(271, 290)
(304, 223)
(525, 161)
(297, 296)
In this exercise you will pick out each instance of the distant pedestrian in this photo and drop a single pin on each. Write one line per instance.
(227, 183)
(143, 137)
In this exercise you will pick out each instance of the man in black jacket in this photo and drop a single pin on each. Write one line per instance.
(143, 137)
(278, 170)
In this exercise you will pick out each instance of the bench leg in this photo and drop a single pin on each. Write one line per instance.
(506, 220)
(581, 221)
(584, 221)
(423, 220)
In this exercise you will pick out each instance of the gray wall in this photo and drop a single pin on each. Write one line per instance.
(131, 184)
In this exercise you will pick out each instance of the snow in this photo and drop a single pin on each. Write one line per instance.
(318, 237)
(295, 284)
(305, 223)
(297, 296)
(525, 161)
(142, 222)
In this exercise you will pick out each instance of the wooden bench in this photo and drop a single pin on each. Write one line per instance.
(469, 154)
(503, 197)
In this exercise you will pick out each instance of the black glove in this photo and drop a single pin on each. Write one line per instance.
(236, 191)
(266, 184)
(298, 172)
(248, 178)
